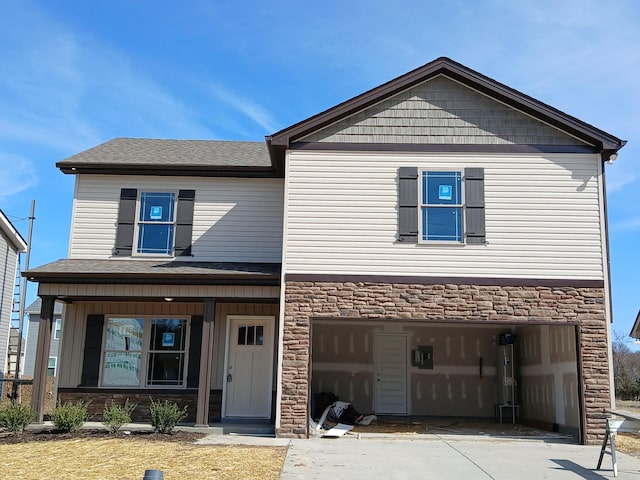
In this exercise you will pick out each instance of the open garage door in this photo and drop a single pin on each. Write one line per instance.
(451, 369)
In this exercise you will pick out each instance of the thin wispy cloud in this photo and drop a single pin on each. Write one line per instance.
(130, 101)
(246, 107)
(618, 181)
(627, 225)
(568, 14)
(18, 174)
(65, 90)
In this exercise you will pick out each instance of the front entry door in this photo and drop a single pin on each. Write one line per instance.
(249, 367)
(391, 374)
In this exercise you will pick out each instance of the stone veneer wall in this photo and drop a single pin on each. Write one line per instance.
(99, 398)
(305, 301)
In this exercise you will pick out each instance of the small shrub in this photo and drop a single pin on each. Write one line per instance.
(165, 416)
(15, 417)
(116, 415)
(70, 416)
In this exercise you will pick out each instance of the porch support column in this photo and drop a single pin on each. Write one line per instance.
(42, 358)
(206, 363)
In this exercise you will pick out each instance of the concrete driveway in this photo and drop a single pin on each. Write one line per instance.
(460, 457)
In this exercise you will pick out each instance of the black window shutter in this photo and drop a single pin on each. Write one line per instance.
(408, 204)
(184, 223)
(474, 202)
(195, 344)
(126, 222)
(92, 351)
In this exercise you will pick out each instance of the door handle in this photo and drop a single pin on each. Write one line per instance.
(229, 377)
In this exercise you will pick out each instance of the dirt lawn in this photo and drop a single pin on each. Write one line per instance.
(93, 455)
(627, 442)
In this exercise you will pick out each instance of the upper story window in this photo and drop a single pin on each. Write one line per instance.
(445, 206)
(441, 207)
(57, 328)
(156, 223)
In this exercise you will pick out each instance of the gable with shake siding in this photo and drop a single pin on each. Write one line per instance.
(442, 111)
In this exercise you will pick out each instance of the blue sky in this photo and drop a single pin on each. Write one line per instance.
(75, 74)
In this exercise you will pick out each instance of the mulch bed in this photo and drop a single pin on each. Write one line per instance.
(53, 435)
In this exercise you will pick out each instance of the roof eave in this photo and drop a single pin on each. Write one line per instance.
(12, 233)
(166, 170)
(277, 154)
(635, 330)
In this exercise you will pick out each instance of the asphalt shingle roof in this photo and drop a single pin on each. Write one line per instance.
(36, 307)
(159, 271)
(173, 153)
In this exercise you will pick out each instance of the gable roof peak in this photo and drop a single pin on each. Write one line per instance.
(605, 142)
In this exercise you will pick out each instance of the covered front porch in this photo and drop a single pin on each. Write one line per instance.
(202, 335)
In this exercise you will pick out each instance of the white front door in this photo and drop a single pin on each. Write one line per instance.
(391, 374)
(248, 367)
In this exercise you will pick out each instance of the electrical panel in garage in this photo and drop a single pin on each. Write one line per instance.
(422, 357)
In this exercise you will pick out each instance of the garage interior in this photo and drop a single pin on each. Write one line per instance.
(522, 373)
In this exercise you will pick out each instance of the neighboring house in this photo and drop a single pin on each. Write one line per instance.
(33, 313)
(11, 245)
(382, 250)
(12, 351)
(635, 330)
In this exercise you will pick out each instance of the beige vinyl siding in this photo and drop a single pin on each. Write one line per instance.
(441, 111)
(542, 217)
(235, 219)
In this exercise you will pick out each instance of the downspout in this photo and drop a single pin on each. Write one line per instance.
(282, 303)
(607, 156)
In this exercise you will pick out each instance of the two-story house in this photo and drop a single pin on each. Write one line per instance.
(385, 250)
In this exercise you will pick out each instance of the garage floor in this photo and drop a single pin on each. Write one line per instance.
(453, 426)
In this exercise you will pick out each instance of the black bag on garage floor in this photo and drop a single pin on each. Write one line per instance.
(320, 401)
(343, 412)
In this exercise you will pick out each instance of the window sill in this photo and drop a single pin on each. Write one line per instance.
(138, 387)
(442, 243)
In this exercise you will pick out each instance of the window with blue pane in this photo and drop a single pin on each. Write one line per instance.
(145, 351)
(167, 351)
(441, 206)
(156, 223)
